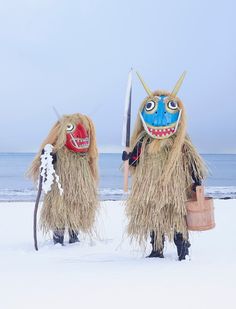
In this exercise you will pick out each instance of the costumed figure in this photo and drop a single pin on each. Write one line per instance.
(165, 168)
(67, 163)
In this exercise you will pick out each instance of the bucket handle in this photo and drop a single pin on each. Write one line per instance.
(200, 196)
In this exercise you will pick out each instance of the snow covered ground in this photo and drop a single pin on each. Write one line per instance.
(109, 272)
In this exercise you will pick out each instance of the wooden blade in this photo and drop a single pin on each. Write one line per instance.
(127, 113)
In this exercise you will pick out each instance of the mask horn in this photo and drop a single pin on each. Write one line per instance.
(144, 85)
(178, 85)
(56, 112)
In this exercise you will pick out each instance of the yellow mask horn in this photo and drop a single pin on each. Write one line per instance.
(178, 85)
(144, 85)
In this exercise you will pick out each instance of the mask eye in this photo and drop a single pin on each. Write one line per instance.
(172, 105)
(150, 106)
(70, 127)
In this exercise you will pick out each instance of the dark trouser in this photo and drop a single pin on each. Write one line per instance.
(58, 236)
(156, 252)
(181, 244)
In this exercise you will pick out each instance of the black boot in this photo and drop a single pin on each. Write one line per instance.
(73, 237)
(58, 236)
(155, 252)
(182, 246)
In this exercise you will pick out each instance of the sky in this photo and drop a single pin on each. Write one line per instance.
(76, 55)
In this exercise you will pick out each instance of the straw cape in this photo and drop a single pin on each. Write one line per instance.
(76, 208)
(161, 182)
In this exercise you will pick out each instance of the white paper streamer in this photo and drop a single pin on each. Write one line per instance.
(47, 170)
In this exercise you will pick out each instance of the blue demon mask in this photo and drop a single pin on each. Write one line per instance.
(161, 113)
(160, 116)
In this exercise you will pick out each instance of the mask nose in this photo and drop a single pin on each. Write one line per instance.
(160, 116)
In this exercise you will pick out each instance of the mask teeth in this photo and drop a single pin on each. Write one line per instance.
(83, 142)
(161, 132)
(83, 139)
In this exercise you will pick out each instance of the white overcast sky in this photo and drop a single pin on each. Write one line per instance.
(76, 55)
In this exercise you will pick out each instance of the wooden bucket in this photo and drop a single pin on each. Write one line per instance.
(200, 212)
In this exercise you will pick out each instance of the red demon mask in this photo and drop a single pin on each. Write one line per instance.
(77, 138)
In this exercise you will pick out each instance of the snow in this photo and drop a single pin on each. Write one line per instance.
(109, 272)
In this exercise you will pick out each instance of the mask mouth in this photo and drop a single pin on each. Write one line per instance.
(160, 132)
(80, 143)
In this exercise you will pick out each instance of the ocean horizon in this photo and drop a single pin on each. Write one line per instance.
(14, 186)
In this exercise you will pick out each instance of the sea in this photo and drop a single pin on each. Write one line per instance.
(14, 186)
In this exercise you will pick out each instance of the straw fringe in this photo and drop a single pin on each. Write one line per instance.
(76, 208)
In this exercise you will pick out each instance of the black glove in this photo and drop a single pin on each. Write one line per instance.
(125, 155)
(196, 184)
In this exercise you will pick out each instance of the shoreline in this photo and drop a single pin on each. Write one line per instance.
(110, 194)
(105, 200)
